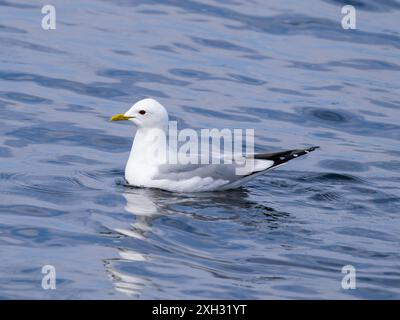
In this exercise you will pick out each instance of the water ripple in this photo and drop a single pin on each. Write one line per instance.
(294, 76)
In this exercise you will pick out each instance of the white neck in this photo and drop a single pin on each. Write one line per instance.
(149, 147)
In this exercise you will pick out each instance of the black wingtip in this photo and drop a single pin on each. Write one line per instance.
(312, 148)
(284, 156)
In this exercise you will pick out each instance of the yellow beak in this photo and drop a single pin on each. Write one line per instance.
(120, 117)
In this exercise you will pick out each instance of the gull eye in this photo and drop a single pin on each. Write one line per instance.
(142, 112)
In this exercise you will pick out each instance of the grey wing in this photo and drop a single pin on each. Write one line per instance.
(225, 171)
(221, 171)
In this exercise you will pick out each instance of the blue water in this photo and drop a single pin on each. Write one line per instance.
(285, 68)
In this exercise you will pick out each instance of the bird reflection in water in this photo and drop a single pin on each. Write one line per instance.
(148, 205)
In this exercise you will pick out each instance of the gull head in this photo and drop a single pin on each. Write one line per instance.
(146, 114)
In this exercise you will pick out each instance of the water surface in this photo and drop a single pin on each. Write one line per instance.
(286, 69)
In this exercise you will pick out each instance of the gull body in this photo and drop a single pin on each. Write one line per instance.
(148, 166)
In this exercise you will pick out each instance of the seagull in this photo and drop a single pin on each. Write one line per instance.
(151, 119)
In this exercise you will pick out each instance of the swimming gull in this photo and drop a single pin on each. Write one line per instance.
(150, 163)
